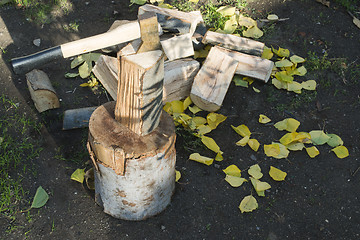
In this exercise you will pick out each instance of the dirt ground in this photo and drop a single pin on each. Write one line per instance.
(318, 200)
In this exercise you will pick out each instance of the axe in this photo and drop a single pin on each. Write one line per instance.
(121, 34)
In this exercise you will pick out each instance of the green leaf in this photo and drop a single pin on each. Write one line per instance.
(240, 82)
(138, 2)
(283, 63)
(226, 11)
(296, 59)
(78, 175)
(230, 25)
(77, 61)
(318, 137)
(253, 32)
(85, 69)
(71, 75)
(284, 76)
(40, 198)
(334, 140)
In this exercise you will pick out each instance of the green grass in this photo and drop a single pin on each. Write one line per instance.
(43, 11)
(17, 150)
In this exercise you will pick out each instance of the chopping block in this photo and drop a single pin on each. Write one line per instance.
(132, 142)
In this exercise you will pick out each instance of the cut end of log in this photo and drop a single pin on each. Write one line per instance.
(42, 92)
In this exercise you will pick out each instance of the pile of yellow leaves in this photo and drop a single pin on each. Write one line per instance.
(198, 125)
(233, 177)
(293, 140)
(286, 68)
(236, 21)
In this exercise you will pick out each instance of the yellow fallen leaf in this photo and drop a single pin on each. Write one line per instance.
(232, 170)
(198, 121)
(294, 87)
(254, 144)
(176, 107)
(194, 1)
(298, 146)
(301, 71)
(281, 52)
(259, 186)
(312, 151)
(214, 119)
(234, 181)
(203, 129)
(309, 85)
(195, 109)
(334, 140)
(201, 159)
(296, 59)
(255, 171)
(242, 130)
(78, 175)
(288, 124)
(284, 63)
(187, 102)
(318, 137)
(177, 175)
(279, 84)
(277, 174)
(167, 108)
(288, 138)
(246, 21)
(242, 142)
(239, 81)
(165, 5)
(284, 152)
(272, 150)
(219, 157)
(267, 53)
(248, 204)
(210, 144)
(284, 76)
(341, 151)
(253, 32)
(226, 11)
(256, 90)
(230, 25)
(264, 119)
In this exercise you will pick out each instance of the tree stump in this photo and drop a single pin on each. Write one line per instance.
(135, 176)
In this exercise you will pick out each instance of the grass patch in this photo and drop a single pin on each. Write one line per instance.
(43, 11)
(17, 150)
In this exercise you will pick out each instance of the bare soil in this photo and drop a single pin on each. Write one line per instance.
(318, 200)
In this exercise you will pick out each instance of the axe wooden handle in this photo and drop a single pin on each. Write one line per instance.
(121, 34)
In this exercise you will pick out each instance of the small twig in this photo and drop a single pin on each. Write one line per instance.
(353, 174)
(278, 20)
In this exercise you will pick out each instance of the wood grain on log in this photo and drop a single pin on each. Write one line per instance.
(178, 47)
(232, 42)
(139, 97)
(149, 32)
(213, 79)
(106, 71)
(249, 65)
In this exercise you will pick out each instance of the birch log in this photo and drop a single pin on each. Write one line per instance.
(41, 91)
(135, 175)
(213, 79)
(106, 71)
(234, 42)
(140, 88)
